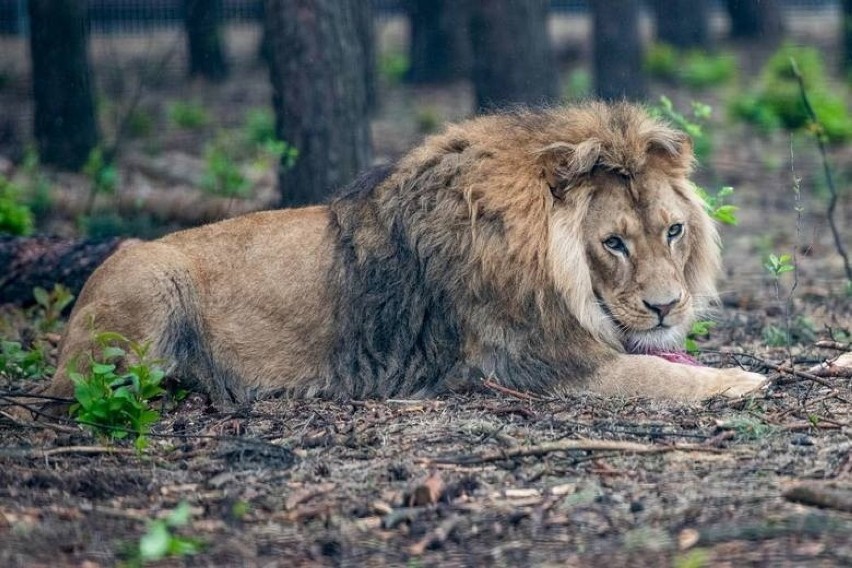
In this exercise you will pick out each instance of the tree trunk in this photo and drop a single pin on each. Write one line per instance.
(202, 21)
(756, 20)
(512, 58)
(684, 24)
(65, 126)
(846, 35)
(617, 50)
(45, 261)
(440, 49)
(367, 34)
(317, 69)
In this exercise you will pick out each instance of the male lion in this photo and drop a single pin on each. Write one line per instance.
(553, 250)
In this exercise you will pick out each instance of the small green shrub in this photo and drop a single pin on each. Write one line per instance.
(18, 363)
(700, 70)
(716, 207)
(579, 85)
(116, 402)
(140, 123)
(16, 217)
(222, 175)
(161, 542)
(693, 126)
(694, 68)
(260, 126)
(188, 114)
(777, 100)
(101, 172)
(393, 66)
(50, 305)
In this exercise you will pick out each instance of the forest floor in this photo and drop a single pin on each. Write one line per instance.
(483, 478)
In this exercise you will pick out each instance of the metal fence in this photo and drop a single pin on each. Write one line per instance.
(123, 16)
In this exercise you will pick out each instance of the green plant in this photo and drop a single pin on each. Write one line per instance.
(694, 68)
(699, 69)
(140, 123)
(50, 305)
(578, 86)
(160, 541)
(260, 126)
(778, 265)
(747, 428)
(38, 186)
(716, 206)
(801, 330)
(777, 100)
(393, 66)
(427, 120)
(661, 61)
(19, 363)
(15, 217)
(102, 175)
(222, 175)
(115, 402)
(188, 114)
(699, 329)
(693, 126)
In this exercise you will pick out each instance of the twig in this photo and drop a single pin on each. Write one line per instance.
(829, 178)
(781, 369)
(836, 345)
(87, 450)
(569, 445)
(491, 384)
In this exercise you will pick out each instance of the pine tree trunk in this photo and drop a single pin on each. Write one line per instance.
(617, 50)
(684, 24)
(319, 82)
(846, 36)
(203, 24)
(512, 58)
(65, 126)
(440, 49)
(759, 20)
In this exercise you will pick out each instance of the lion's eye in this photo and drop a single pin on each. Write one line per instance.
(615, 244)
(675, 231)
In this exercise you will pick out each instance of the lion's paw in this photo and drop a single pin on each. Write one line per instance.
(737, 383)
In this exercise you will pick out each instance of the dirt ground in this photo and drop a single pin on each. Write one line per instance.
(487, 477)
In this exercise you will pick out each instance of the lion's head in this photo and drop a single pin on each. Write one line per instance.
(593, 202)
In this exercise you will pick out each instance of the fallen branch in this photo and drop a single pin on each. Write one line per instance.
(86, 450)
(569, 445)
(821, 495)
(836, 345)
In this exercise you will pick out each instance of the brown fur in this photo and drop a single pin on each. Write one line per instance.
(479, 253)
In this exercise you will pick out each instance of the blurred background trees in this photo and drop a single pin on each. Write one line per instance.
(329, 74)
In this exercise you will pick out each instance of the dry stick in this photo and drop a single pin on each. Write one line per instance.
(836, 345)
(87, 450)
(829, 178)
(569, 445)
(780, 368)
(819, 495)
(491, 384)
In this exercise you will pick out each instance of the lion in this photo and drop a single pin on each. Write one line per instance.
(552, 250)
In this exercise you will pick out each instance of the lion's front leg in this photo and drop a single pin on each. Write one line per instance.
(654, 377)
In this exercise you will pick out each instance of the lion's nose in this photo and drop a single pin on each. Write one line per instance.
(662, 310)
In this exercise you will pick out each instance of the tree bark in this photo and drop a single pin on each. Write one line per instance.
(846, 36)
(440, 50)
(202, 21)
(45, 261)
(65, 126)
(617, 50)
(759, 20)
(317, 69)
(684, 24)
(512, 58)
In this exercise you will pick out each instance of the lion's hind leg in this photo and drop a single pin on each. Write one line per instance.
(145, 293)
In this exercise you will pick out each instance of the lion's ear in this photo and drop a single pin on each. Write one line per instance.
(673, 147)
(564, 163)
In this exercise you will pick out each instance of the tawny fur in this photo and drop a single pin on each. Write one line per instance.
(479, 254)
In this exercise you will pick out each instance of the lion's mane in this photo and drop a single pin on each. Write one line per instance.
(444, 265)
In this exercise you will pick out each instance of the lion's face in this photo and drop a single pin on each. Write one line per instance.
(642, 238)
(637, 247)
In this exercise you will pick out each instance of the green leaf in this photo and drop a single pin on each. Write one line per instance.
(102, 368)
(41, 296)
(154, 545)
(179, 516)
